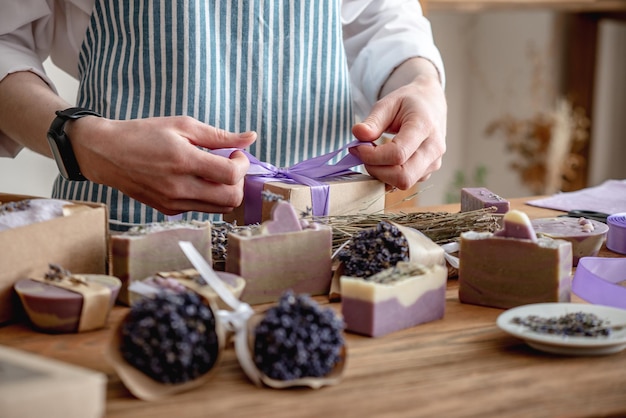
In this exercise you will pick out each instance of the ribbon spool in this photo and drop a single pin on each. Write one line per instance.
(616, 237)
(598, 280)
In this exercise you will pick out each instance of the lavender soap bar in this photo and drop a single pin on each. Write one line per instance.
(401, 297)
(144, 251)
(513, 267)
(68, 303)
(475, 198)
(283, 253)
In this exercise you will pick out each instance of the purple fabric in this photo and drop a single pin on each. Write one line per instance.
(596, 278)
(609, 197)
(309, 173)
(616, 237)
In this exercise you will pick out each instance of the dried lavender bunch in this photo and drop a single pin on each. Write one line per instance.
(297, 338)
(373, 250)
(219, 238)
(171, 338)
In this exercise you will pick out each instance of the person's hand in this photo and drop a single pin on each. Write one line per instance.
(416, 113)
(156, 161)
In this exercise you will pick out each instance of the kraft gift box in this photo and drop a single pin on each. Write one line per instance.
(349, 194)
(76, 241)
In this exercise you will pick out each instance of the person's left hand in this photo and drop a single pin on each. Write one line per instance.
(416, 113)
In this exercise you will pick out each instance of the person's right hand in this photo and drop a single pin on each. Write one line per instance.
(156, 161)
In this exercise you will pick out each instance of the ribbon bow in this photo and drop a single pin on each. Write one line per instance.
(308, 172)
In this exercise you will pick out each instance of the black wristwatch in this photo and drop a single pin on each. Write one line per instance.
(61, 145)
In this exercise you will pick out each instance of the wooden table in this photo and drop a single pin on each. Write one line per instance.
(462, 365)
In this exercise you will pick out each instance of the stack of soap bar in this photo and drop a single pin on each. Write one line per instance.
(474, 198)
(401, 297)
(586, 235)
(284, 254)
(513, 267)
(144, 251)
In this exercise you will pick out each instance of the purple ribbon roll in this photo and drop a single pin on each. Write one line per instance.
(616, 237)
(597, 279)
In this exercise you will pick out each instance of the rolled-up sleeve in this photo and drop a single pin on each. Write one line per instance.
(378, 37)
(26, 32)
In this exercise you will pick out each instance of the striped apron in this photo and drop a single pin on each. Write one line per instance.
(276, 67)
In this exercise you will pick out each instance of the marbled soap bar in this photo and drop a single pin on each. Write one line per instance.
(586, 235)
(180, 281)
(271, 264)
(57, 309)
(285, 254)
(144, 251)
(474, 198)
(401, 297)
(504, 272)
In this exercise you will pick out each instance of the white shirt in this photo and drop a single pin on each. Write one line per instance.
(378, 36)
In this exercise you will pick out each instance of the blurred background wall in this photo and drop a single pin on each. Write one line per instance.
(505, 73)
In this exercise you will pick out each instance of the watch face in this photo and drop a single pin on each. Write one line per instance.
(56, 153)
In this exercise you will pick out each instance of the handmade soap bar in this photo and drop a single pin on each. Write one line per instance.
(181, 281)
(504, 272)
(279, 258)
(516, 224)
(56, 309)
(401, 297)
(474, 198)
(586, 235)
(146, 250)
(377, 248)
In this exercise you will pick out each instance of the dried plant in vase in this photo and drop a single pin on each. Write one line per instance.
(547, 146)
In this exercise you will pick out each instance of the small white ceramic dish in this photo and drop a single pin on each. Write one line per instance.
(567, 345)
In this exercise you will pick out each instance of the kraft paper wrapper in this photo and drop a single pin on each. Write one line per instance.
(143, 386)
(330, 379)
(96, 300)
(184, 277)
(421, 249)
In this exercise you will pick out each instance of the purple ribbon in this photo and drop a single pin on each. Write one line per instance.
(309, 173)
(596, 281)
(616, 237)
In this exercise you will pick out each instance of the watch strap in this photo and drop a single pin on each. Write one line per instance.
(68, 167)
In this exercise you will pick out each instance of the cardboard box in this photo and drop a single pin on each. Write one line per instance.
(350, 194)
(35, 386)
(77, 242)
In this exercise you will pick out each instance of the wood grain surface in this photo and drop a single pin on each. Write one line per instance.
(459, 366)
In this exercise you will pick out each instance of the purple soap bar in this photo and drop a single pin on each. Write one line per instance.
(382, 304)
(273, 263)
(503, 272)
(284, 219)
(57, 310)
(144, 251)
(586, 235)
(516, 224)
(474, 198)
